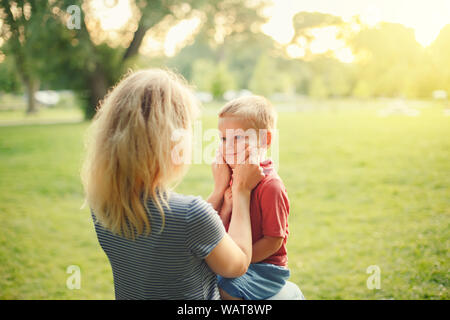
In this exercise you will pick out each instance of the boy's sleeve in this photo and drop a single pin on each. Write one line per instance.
(274, 208)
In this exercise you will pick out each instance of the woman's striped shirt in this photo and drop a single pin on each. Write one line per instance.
(168, 264)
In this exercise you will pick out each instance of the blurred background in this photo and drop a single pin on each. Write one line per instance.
(361, 87)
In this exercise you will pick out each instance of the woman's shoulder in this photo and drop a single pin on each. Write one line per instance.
(189, 203)
(178, 198)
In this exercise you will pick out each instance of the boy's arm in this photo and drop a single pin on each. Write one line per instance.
(275, 210)
(265, 247)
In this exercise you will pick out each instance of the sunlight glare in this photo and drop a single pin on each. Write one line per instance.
(427, 18)
(113, 15)
(345, 55)
(295, 51)
(371, 16)
(279, 26)
(179, 34)
(325, 40)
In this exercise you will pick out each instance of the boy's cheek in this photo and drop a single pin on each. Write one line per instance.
(230, 159)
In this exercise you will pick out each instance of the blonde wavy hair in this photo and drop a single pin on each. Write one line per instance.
(129, 149)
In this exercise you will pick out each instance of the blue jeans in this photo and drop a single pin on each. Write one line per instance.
(290, 291)
(261, 281)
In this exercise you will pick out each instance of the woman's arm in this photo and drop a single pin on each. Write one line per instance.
(232, 256)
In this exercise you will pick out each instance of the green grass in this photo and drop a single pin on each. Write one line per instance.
(13, 110)
(11, 117)
(364, 191)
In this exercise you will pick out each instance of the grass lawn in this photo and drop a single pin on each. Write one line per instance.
(12, 117)
(364, 190)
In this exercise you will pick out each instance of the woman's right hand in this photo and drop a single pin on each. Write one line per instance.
(248, 174)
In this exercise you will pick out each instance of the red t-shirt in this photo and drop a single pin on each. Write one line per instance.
(269, 211)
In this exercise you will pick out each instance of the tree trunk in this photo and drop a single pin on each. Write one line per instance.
(31, 86)
(98, 87)
(135, 44)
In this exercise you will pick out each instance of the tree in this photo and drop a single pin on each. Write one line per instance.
(213, 78)
(305, 22)
(234, 40)
(242, 52)
(220, 15)
(262, 81)
(201, 75)
(317, 88)
(88, 63)
(28, 48)
(440, 57)
(388, 57)
(362, 90)
(222, 81)
(9, 82)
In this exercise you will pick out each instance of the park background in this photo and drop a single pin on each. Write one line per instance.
(361, 88)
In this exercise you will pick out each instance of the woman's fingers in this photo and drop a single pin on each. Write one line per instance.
(221, 173)
(247, 175)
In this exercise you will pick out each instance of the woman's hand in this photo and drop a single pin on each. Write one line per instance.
(248, 174)
(222, 176)
(221, 173)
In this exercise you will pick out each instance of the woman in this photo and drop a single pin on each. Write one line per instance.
(161, 245)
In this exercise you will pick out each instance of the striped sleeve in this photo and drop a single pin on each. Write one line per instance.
(204, 228)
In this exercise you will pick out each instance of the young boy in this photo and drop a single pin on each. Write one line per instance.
(250, 121)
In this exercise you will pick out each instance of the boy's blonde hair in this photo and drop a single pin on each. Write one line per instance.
(256, 109)
(130, 147)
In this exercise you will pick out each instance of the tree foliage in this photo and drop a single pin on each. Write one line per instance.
(228, 51)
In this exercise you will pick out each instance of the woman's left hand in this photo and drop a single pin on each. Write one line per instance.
(221, 173)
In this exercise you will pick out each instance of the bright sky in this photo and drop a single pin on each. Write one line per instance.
(113, 14)
(426, 17)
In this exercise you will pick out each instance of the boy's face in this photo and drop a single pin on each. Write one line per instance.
(235, 138)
